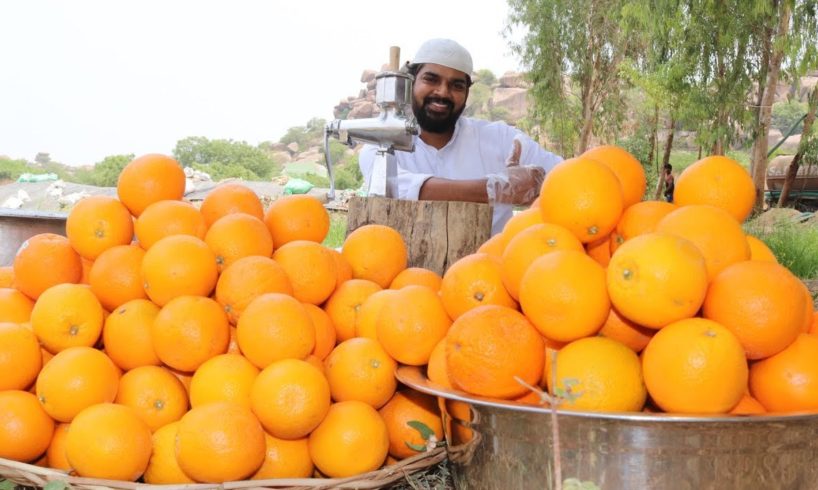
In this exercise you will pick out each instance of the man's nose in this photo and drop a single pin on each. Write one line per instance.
(442, 90)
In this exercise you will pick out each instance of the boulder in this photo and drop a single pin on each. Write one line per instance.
(281, 156)
(514, 100)
(773, 137)
(368, 76)
(512, 79)
(362, 109)
(293, 147)
(790, 145)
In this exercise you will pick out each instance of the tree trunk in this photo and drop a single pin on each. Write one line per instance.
(792, 169)
(654, 131)
(759, 155)
(660, 185)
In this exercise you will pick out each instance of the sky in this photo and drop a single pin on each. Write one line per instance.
(85, 79)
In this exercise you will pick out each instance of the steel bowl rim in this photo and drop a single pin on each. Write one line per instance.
(415, 378)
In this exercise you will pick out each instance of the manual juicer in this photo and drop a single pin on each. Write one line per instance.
(393, 129)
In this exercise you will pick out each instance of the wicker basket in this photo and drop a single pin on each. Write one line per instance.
(36, 476)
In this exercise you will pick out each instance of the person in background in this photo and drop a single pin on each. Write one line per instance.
(458, 158)
(669, 181)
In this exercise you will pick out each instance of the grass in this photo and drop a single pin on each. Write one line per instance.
(337, 229)
(793, 244)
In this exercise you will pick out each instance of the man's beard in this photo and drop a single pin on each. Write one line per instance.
(433, 122)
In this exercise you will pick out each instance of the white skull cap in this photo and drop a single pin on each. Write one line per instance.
(444, 52)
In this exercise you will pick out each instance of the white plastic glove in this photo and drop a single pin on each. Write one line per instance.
(519, 184)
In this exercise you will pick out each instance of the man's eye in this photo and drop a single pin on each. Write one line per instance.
(459, 85)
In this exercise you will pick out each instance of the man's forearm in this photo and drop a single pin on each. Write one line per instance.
(439, 189)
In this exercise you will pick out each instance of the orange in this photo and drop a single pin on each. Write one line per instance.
(285, 459)
(417, 276)
(521, 221)
(409, 406)
(762, 303)
(788, 380)
(360, 369)
(638, 219)
(275, 326)
(86, 270)
(345, 303)
(166, 218)
(748, 406)
(297, 217)
(55, 456)
(163, 468)
(715, 233)
(375, 252)
(290, 398)
(411, 322)
(600, 250)
(813, 329)
(220, 442)
(494, 245)
(759, 250)
(115, 276)
(74, 379)
(808, 309)
(367, 322)
(176, 266)
(436, 368)
(352, 439)
(530, 244)
(626, 332)
(695, 366)
(20, 357)
(584, 196)
(246, 279)
(325, 335)
(6, 276)
(342, 268)
(15, 306)
(67, 315)
(109, 441)
(45, 260)
(226, 377)
(188, 331)
(97, 223)
(626, 167)
(148, 179)
(311, 270)
(563, 294)
(598, 374)
(127, 335)
(238, 235)
(489, 347)
(472, 281)
(155, 394)
(25, 428)
(718, 181)
(230, 198)
(657, 278)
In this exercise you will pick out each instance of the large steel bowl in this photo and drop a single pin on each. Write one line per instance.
(18, 225)
(502, 445)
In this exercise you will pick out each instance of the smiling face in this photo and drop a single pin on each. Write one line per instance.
(439, 97)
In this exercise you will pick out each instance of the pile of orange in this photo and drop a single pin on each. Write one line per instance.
(174, 343)
(168, 342)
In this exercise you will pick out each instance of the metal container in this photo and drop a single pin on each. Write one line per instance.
(17, 226)
(501, 445)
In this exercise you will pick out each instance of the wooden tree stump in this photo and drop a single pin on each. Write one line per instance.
(437, 233)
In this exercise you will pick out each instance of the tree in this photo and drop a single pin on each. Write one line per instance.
(579, 42)
(225, 158)
(42, 158)
(106, 172)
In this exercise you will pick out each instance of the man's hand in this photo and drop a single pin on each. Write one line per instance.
(520, 185)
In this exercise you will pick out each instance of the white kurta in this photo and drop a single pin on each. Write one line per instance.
(477, 148)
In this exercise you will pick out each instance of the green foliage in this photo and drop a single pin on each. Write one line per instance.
(225, 158)
(337, 150)
(337, 230)
(793, 244)
(316, 180)
(479, 95)
(498, 114)
(348, 174)
(485, 77)
(786, 114)
(104, 173)
(312, 134)
(12, 169)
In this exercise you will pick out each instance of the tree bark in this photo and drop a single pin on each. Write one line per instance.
(759, 155)
(654, 131)
(792, 169)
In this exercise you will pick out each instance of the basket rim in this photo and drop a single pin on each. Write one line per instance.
(37, 476)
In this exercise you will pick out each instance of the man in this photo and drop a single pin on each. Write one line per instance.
(460, 158)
